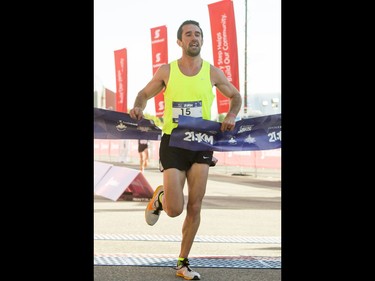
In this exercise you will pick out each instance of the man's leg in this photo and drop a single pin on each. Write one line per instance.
(173, 198)
(145, 158)
(141, 161)
(197, 180)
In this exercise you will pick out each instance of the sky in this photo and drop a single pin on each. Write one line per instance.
(122, 24)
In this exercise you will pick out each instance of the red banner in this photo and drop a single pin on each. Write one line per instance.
(224, 45)
(121, 66)
(110, 100)
(159, 45)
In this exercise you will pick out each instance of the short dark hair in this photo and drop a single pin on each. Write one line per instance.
(179, 31)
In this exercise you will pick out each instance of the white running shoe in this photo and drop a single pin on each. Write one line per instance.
(186, 272)
(154, 207)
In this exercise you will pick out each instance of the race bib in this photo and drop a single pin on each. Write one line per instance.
(186, 108)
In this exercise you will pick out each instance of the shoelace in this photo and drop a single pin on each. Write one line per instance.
(188, 268)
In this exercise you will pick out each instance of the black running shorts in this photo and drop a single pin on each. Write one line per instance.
(142, 147)
(180, 158)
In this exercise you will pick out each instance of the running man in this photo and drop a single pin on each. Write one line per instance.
(188, 90)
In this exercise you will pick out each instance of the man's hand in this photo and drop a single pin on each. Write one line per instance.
(136, 113)
(228, 123)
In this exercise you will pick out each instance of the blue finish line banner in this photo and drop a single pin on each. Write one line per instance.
(109, 124)
(257, 133)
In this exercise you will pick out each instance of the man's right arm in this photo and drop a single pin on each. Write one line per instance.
(155, 86)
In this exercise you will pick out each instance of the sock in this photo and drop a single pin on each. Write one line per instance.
(180, 261)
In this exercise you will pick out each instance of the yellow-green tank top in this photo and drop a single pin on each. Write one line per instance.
(187, 95)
